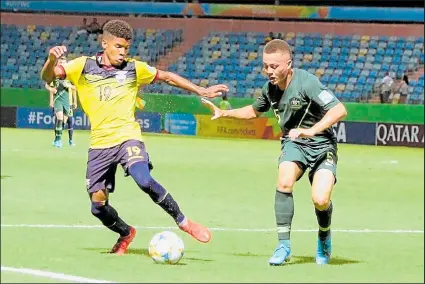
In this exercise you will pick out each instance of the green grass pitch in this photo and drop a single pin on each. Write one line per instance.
(226, 185)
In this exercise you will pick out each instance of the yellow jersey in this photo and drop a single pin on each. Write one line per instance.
(108, 97)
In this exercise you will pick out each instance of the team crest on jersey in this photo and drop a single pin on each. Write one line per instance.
(295, 103)
(121, 76)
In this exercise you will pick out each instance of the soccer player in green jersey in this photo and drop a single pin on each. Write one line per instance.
(63, 100)
(224, 103)
(306, 111)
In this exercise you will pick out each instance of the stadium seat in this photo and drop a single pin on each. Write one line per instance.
(21, 42)
(233, 58)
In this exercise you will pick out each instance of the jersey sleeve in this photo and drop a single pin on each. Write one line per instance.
(262, 103)
(73, 69)
(145, 74)
(317, 92)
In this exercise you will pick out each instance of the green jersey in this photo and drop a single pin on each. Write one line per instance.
(304, 103)
(62, 93)
(225, 105)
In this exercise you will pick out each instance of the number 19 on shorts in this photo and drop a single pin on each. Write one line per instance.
(133, 150)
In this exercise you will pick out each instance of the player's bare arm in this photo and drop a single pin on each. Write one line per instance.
(50, 89)
(247, 112)
(73, 90)
(51, 101)
(52, 92)
(178, 81)
(74, 98)
(331, 117)
(50, 71)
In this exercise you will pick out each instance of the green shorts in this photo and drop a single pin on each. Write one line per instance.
(313, 156)
(62, 106)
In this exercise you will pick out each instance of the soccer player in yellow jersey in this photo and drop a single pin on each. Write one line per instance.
(107, 86)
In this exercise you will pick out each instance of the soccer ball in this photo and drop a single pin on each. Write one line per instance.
(166, 248)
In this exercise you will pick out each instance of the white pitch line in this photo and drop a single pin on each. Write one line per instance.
(52, 275)
(54, 226)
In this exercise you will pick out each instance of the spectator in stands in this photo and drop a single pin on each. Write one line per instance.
(99, 36)
(94, 27)
(406, 77)
(401, 90)
(280, 36)
(83, 27)
(269, 37)
(386, 88)
(224, 104)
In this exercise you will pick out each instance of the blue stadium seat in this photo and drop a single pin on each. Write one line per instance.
(355, 62)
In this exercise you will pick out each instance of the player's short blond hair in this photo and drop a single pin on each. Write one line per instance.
(277, 45)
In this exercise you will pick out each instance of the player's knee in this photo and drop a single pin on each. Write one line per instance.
(98, 202)
(96, 207)
(142, 177)
(321, 202)
(285, 185)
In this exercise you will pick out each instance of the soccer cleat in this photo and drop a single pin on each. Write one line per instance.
(57, 144)
(196, 230)
(123, 242)
(281, 254)
(71, 143)
(323, 253)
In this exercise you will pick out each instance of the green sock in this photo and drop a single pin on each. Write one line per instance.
(324, 220)
(58, 129)
(284, 211)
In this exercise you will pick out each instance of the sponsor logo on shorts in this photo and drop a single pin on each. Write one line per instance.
(136, 157)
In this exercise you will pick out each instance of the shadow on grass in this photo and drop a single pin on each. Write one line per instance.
(335, 260)
(145, 252)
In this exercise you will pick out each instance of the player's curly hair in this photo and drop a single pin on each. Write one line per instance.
(277, 45)
(119, 29)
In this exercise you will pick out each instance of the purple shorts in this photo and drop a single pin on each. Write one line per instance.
(102, 164)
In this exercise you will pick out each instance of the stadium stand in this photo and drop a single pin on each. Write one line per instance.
(24, 49)
(350, 65)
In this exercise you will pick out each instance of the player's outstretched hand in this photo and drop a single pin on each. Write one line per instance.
(300, 133)
(214, 91)
(217, 112)
(56, 52)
